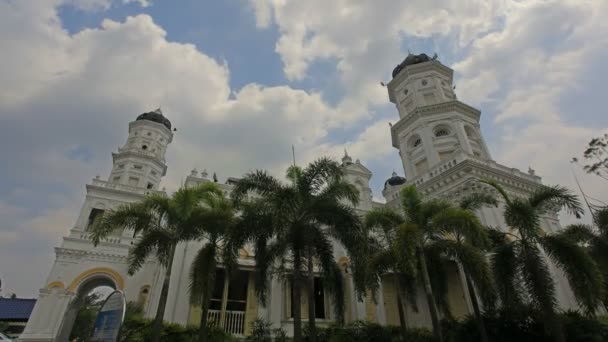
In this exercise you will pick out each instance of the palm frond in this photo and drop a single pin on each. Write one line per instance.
(601, 220)
(476, 266)
(338, 190)
(331, 272)
(202, 273)
(318, 174)
(158, 241)
(505, 273)
(498, 188)
(404, 248)
(294, 173)
(133, 216)
(384, 218)
(577, 233)
(436, 265)
(521, 215)
(582, 272)
(410, 202)
(463, 223)
(537, 279)
(557, 196)
(259, 182)
(477, 201)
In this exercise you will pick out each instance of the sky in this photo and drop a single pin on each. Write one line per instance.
(244, 80)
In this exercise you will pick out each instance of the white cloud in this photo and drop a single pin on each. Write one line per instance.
(142, 3)
(65, 91)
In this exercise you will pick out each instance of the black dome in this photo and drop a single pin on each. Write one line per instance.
(156, 116)
(410, 60)
(395, 180)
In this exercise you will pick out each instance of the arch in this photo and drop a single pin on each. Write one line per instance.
(118, 280)
(142, 298)
(83, 284)
(415, 141)
(56, 285)
(470, 131)
(442, 130)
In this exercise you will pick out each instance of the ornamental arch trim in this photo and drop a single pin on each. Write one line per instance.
(104, 271)
(56, 285)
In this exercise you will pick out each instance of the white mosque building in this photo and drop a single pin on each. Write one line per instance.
(443, 153)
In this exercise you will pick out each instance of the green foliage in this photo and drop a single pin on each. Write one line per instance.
(519, 259)
(262, 331)
(361, 331)
(294, 224)
(138, 329)
(526, 325)
(85, 319)
(596, 156)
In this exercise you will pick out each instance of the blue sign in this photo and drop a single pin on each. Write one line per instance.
(109, 319)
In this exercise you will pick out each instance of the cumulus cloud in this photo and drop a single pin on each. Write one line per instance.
(67, 99)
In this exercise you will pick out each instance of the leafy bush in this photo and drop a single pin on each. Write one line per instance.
(261, 331)
(137, 329)
(361, 331)
(526, 325)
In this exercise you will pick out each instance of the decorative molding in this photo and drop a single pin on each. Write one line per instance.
(106, 271)
(424, 111)
(56, 285)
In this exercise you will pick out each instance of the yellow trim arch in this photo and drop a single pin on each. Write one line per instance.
(56, 285)
(115, 276)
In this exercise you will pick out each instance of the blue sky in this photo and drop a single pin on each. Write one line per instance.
(243, 80)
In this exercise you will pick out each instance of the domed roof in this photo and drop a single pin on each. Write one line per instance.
(156, 116)
(395, 180)
(410, 60)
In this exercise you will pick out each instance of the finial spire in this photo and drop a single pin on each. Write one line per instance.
(158, 111)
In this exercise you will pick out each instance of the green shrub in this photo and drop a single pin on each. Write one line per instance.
(137, 329)
(361, 331)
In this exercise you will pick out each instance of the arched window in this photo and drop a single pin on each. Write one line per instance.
(415, 141)
(442, 132)
(142, 300)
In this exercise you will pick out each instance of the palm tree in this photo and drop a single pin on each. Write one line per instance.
(461, 237)
(521, 258)
(294, 223)
(386, 257)
(159, 222)
(430, 233)
(594, 240)
(218, 231)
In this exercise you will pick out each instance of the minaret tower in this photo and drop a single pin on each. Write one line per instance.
(140, 162)
(444, 154)
(433, 125)
(79, 267)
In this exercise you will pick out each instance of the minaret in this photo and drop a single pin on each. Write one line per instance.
(79, 267)
(433, 125)
(140, 162)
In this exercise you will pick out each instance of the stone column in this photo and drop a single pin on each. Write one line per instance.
(430, 152)
(462, 137)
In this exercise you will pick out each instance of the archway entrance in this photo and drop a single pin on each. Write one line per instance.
(83, 307)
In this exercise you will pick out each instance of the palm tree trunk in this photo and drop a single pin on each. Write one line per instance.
(555, 325)
(296, 297)
(162, 302)
(429, 295)
(483, 334)
(312, 329)
(402, 321)
(202, 331)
